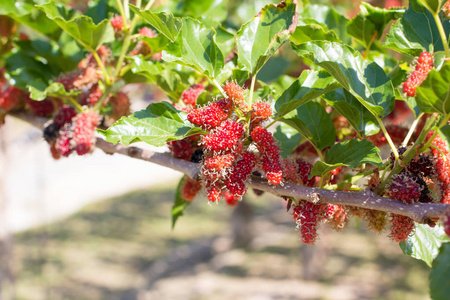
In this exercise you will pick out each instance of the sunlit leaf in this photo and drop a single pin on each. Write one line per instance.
(81, 28)
(258, 39)
(195, 47)
(368, 25)
(424, 244)
(158, 124)
(365, 80)
(311, 84)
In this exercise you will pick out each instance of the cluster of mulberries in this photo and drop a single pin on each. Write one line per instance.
(86, 76)
(71, 132)
(376, 220)
(423, 67)
(308, 217)
(228, 151)
(417, 183)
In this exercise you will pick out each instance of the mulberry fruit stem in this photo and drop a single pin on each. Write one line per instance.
(217, 84)
(252, 87)
(388, 137)
(75, 104)
(100, 64)
(411, 130)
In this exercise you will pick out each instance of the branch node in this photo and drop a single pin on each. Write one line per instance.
(315, 198)
(134, 152)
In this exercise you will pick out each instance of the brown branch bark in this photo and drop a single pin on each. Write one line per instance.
(419, 212)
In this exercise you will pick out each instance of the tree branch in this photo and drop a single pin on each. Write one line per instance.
(419, 212)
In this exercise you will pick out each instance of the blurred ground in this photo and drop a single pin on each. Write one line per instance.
(38, 189)
(123, 248)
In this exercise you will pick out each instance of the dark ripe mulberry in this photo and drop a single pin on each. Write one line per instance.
(63, 116)
(422, 165)
(50, 132)
(197, 156)
(181, 149)
(304, 170)
(42, 108)
(404, 187)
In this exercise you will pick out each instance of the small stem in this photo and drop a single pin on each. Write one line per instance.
(273, 122)
(252, 87)
(319, 153)
(75, 103)
(126, 45)
(127, 9)
(321, 181)
(101, 65)
(218, 86)
(388, 137)
(411, 130)
(442, 34)
(444, 157)
(149, 4)
(121, 11)
(102, 99)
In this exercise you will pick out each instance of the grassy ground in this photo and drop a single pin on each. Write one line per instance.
(123, 248)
